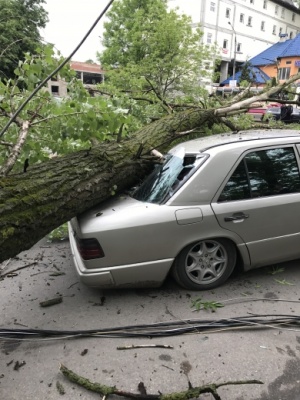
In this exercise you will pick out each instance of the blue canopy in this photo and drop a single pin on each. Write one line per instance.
(257, 76)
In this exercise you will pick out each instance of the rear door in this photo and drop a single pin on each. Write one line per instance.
(261, 203)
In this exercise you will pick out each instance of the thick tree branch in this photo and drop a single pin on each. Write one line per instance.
(191, 393)
(51, 193)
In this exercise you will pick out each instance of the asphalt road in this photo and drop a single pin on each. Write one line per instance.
(29, 370)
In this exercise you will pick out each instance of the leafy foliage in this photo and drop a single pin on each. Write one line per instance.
(19, 31)
(198, 304)
(56, 125)
(155, 57)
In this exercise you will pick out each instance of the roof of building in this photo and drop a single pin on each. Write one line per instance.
(288, 48)
(257, 76)
(86, 67)
(288, 4)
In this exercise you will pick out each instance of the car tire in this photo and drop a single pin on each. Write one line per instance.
(205, 264)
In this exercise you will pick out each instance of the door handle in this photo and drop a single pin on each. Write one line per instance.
(236, 217)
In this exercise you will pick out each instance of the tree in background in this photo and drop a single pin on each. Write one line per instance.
(20, 21)
(154, 56)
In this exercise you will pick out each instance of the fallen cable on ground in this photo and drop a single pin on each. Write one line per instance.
(191, 393)
(162, 329)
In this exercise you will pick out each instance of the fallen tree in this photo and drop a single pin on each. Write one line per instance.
(50, 193)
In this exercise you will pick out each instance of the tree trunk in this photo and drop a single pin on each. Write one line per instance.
(51, 193)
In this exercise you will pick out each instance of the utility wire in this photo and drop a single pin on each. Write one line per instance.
(162, 329)
(14, 116)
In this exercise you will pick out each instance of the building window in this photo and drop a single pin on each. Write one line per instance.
(265, 4)
(55, 90)
(282, 12)
(209, 38)
(280, 31)
(262, 25)
(91, 78)
(251, 1)
(242, 18)
(249, 21)
(239, 48)
(276, 10)
(212, 6)
(284, 73)
(274, 30)
(227, 13)
(291, 35)
(288, 62)
(293, 17)
(225, 44)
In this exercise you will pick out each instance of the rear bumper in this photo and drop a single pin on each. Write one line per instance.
(147, 274)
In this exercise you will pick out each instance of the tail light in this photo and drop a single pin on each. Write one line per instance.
(89, 248)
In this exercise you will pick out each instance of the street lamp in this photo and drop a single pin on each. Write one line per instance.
(234, 52)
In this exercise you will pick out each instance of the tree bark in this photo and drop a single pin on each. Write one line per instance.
(51, 193)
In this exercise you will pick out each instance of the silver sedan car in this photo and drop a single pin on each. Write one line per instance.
(213, 203)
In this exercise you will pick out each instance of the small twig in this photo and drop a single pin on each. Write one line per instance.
(41, 272)
(4, 266)
(57, 273)
(144, 346)
(184, 133)
(7, 144)
(156, 153)
(51, 302)
(17, 269)
(56, 116)
(18, 365)
(73, 284)
(165, 366)
(139, 152)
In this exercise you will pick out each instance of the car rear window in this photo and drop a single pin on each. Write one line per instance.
(168, 177)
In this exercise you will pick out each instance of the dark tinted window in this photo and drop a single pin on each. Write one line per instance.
(237, 188)
(263, 173)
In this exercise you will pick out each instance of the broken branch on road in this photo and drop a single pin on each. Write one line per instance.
(193, 392)
(145, 346)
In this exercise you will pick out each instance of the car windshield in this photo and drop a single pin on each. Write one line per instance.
(166, 178)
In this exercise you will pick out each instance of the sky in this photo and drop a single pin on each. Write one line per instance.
(69, 21)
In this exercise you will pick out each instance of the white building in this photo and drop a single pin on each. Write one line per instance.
(241, 28)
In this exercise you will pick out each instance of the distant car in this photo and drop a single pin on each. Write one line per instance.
(287, 114)
(258, 112)
(213, 203)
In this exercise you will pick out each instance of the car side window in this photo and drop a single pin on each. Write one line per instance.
(262, 173)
